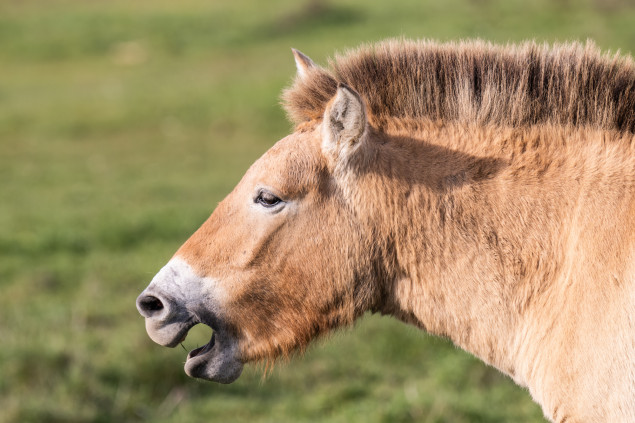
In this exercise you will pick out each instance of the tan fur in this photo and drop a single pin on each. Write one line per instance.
(490, 199)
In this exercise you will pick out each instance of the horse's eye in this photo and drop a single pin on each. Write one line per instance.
(267, 199)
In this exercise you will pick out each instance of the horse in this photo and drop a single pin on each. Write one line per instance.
(480, 192)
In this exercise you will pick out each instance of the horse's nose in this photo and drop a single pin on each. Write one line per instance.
(150, 305)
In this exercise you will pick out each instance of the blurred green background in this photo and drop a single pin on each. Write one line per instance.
(122, 124)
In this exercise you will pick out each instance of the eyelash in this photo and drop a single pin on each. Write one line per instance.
(267, 199)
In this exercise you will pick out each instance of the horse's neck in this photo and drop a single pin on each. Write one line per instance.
(473, 248)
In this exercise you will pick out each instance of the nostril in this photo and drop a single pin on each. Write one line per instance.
(149, 305)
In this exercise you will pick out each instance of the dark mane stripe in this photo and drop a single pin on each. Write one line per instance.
(475, 81)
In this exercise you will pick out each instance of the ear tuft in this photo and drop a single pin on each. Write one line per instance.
(344, 121)
(302, 63)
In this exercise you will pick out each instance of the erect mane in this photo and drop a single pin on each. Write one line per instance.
(476, 81)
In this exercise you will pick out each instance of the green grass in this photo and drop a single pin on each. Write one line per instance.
(122, 124)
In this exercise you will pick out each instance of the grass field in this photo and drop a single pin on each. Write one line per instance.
(122, 124)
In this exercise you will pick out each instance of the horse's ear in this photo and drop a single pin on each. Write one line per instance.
(344, 121)
(302, 62)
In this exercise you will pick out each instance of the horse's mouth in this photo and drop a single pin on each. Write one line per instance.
(202, 350)
(218, 360)
(199, 353)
